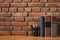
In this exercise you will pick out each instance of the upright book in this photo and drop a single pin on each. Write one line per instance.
(48, 26)
(42, 26)
(54, 26)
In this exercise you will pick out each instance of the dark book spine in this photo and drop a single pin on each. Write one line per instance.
(42, 26)
(54, 26)
(48, 26)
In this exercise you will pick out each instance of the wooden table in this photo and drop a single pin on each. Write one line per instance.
(27, 38)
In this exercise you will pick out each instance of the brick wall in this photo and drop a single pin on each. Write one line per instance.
(16, 16)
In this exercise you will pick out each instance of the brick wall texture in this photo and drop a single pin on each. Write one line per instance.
(16, 16)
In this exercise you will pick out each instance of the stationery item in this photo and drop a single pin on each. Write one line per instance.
(54, 30)
(42, 26)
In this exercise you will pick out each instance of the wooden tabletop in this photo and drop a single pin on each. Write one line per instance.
(27, 38)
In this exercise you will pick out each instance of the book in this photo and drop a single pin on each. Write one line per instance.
(53, 30)
(48, 26)
(42, 26)
(54, 26)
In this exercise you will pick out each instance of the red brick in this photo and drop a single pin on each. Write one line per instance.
(8, 19)
(36, 19)
(58, 14)
(18, 18)
(19, 33)
(8, 1)
(26, 0)
(4, 9)
(44, 9)
(4, 4)
(20, 14)
(19, 24)
(17, 1)
(4, 23)
(4, 33)
(35, 9)
(8, 28)
(1, 19)
(51, 0)
(53, 9)
(35, 0)
(28, 19)
(57, 0)
(3, 14)
(58, 9)
(18, 4)
(20, 9)
(30, 33)
(43, 0)
(28, 28)
(17, 29)
(12, 9)
(52, 5)
(0, 9)
(1, 28)
(1, 1)
(36, 4)
(28, 9)
(36, 14)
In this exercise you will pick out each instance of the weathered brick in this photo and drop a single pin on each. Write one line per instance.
(4, 9)
(29, 33)
(1, 28)
(1, 19)
(35, 9)
(17, 28)
(8, 28)
(57, 0)
(53, 9)
(19, 33)
(17, 1)
(36, 14)
(51, 0)
(43, 0)
(52, 5)
(5, 23)
(8, 19)
(28, 28)
(4, 14)
(12, 9)
(20, 9)
(8, 1)
(44, 9)
(4, 4)
(36, 19)
(18, 4)
(35, 4)
(1, 1)
(35, 0)
(20, 14)
(4, 33)
(28, 19)
(18, 18)
(58, 9)
(19, 24)
(28, 9)
(26, 0)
